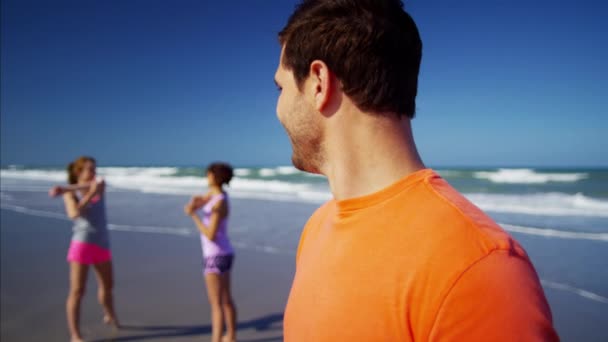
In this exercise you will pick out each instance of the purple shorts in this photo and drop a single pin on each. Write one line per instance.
(218, 264)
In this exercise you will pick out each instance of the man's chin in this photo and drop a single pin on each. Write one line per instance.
(297, 164)
(304, 164)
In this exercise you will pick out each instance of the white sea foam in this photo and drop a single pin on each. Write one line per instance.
(33, 212)
(266, 172)
(163, 180)
(314, 175)
(242, 172)
(238, 183)
(44, 175)
(527, 176)
(105, 172)
(569, 288)
(280, 170)
(312, 197)
(554, 233)
(137, 171)
(547, 204)
(183, 231)
(287, 170)
(155, 184)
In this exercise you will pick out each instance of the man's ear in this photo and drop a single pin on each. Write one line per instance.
(321, 84)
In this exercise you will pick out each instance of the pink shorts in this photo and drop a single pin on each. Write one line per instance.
(88, 253)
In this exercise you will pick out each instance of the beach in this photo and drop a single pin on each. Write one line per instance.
(159, 288)
(159, 291)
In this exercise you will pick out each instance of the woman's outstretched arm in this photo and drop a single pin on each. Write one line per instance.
(73, 206)
(62, 189)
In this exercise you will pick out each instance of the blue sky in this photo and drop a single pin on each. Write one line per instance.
(503, 83)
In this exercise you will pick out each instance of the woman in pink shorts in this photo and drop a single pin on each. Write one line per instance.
(85, 204)
(210, 214)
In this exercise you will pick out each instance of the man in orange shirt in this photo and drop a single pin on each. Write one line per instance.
(398, 254)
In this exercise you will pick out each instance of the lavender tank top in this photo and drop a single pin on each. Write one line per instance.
(221, 245)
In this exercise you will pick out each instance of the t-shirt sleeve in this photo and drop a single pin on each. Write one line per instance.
(312, 223)
(499, 298)
(301, 243)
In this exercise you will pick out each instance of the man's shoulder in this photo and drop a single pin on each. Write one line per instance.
(449, 201)
(448, 217)
(323, 211)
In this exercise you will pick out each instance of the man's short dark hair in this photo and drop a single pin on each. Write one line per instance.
(372, 46)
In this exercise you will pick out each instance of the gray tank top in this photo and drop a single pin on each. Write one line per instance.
(91, 226)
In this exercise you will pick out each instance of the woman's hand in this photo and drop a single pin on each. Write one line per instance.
(189, 209)
(196, 202)
(56, 191)
(97, 187)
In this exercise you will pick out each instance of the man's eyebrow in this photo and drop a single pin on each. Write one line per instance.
(276, 82)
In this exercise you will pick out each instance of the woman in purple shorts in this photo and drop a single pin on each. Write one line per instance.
(84, 199)
(210, 213)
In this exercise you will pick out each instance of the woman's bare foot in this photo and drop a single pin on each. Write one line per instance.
(76, 339)
(228, 339)
(111, 321)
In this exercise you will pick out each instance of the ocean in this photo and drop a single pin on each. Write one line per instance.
(555, 204)
(565, 203)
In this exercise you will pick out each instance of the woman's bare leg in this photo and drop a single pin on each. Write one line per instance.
(105, 280)
(78, 279)
(228, 308)
(214, 294)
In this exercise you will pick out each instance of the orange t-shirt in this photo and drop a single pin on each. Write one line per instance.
(415, 261)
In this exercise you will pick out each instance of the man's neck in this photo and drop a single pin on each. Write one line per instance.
(367, 152)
